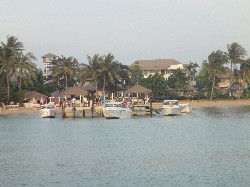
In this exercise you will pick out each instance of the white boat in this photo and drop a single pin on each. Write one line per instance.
(47, 111)
(185, 108)
(170, 108)
(116, 110)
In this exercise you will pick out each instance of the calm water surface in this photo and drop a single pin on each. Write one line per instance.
(210, 147)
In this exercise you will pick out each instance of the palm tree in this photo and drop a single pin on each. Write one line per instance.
(136, 74)
(26, 69)
(191, 71)
(245, 71)
(236, 54)
(109, 71)
(8, 59)
(93, 68)
(215, 67)
(64, 67)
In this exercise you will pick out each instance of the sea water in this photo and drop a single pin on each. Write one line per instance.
(209, 147)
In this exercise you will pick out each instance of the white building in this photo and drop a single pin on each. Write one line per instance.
(47, 66)
(160, 66)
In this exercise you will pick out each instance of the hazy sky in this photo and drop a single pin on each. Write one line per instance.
(185, 30)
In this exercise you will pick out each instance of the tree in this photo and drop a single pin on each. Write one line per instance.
(214, 67)
(26, 69)
(64, 67)
(93, 68)
(236, 54)
(124, 76)
(109, 72)
(156, 83)
(39, 85)
(191, 71)
(135, 73)
(245, 72)
(177, 79)
(8, 59)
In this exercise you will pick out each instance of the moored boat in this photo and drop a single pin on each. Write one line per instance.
(47, 111)
(170, 108)
(116, 110)
(185, 108)
(140, 110)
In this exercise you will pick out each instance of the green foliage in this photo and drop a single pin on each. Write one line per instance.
(40, 85)
(172, 95)
(135, 73)
(109, 73)
(224, 95)
(177, 79)
(20, 95)
(8, 59)
(212, 69)
(124, 76)
(198, 95)
(26, 74)
(191, 71)
(156, 83)
(246, 94)
(3, 95)
(236, 54)
(18, 73)
(245, 72)
(65, 68)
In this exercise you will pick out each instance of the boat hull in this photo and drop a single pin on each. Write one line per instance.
(186, 109)
(48, 113)
(171, 111)
(112, 113)
(140, 110)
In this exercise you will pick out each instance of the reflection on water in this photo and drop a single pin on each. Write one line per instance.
(210, 147)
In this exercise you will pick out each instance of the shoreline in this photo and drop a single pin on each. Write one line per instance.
(192, 103)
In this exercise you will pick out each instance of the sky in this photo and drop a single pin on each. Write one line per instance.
(184, 30)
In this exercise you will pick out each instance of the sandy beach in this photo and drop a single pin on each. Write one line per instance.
(192, 103)
(208, 103)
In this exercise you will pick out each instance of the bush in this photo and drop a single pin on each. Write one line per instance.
(198, 95)
(224, 96)
(245, 94)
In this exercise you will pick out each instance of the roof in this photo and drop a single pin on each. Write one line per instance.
(74, 91)
(49, 55)
(90, 87)
(138, 89)
(157, 64)
(34, 94)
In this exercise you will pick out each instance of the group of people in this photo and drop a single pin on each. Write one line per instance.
(101, 100)
(84, 100)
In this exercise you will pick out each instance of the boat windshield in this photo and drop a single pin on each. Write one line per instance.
(170, 103)
(48, 107)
